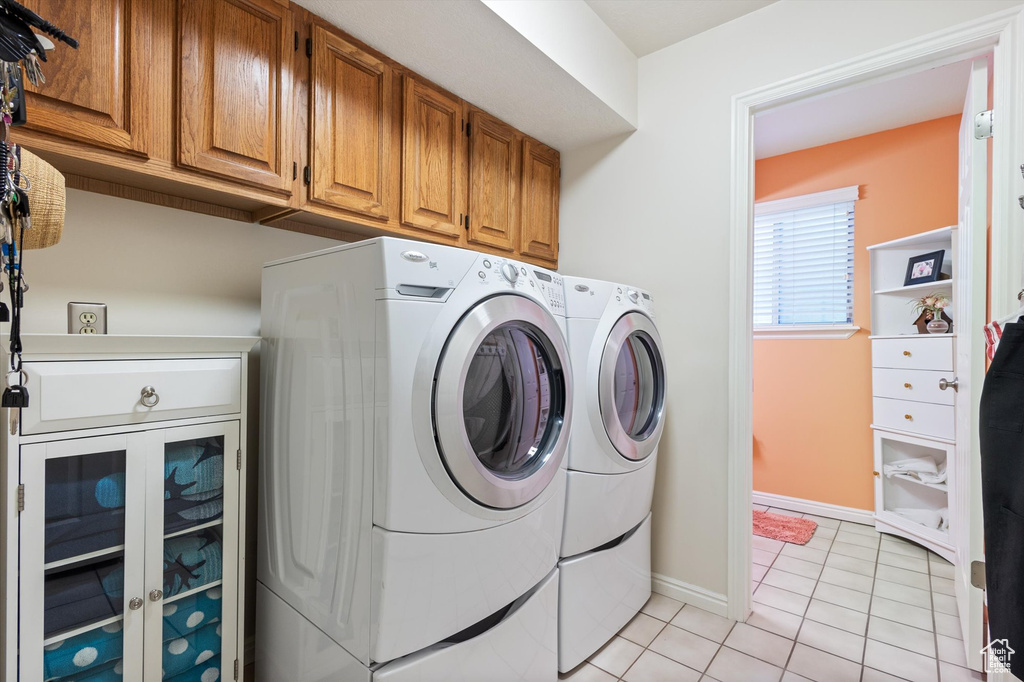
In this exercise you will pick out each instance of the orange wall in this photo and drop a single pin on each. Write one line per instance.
(812, 398)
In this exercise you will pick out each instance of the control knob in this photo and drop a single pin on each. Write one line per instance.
(633, 296)
(510, 273)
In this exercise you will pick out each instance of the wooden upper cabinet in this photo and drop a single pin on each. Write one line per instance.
(433, 160)
(234, 90)
(351, 127)
(494, 151)
(98, 94)
(541, 179)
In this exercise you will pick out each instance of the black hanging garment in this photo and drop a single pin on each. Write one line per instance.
(1002, 487)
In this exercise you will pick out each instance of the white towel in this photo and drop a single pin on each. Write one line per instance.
(915, 465)
(929, 518)
(944, 513)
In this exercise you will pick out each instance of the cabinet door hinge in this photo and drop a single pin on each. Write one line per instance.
(306, 177)
(469, 128)
(978, 574)
(309, 47)
(238, 459)
(467, 221)
(296, 41)
(236, 668)
(983, 125)
(21, 497)
(295, 170)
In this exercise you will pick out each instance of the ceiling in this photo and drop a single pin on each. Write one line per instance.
(646, 26)
(850, 113)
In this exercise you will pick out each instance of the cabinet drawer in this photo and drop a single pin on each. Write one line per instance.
(911, 384)
(913, 353)
(926, 419)
(75, 395)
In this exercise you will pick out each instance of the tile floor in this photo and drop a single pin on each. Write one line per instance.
(849, 606)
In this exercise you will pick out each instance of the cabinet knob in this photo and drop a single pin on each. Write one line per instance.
(906, 353)
(908, 417)
(149, 396)
(876, 474)
(135, 604)
(156, 595)
(907, 386)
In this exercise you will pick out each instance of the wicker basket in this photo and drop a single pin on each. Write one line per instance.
(47, 198)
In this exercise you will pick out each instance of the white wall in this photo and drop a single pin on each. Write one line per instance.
(652, 208)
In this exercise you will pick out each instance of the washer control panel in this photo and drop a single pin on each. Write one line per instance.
(492, 271)
(551, 286)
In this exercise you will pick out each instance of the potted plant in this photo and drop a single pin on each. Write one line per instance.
(931, 313)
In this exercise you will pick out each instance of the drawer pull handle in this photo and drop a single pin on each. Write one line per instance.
(135, 604)
(149, 396)
(156, 595)
(908, 417)
(907, 386)
(906, 353)
(876, 474)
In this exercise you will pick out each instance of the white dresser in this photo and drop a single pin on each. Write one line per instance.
(914, 405)
(122, 517)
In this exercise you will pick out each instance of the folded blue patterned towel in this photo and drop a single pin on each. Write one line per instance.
(193, 483)
(207, 671)
(191, 561)
(85, 656)
(187, 615)
(191, 650)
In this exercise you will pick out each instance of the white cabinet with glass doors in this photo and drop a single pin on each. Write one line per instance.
(128, 538)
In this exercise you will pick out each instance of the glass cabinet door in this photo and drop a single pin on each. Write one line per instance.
(192, 555)
(82, 538)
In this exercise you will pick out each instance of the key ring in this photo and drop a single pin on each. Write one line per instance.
(24, 377)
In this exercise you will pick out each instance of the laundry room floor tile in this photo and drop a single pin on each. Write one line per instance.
(852, 605)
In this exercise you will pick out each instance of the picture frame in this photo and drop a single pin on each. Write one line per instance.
(924, 268)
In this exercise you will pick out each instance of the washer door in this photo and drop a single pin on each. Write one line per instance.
(502, 401)
(632, 386)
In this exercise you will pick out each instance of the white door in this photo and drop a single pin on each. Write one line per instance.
(970, 360)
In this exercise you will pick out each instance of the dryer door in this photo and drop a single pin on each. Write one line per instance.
(502, 401)
(632, 386)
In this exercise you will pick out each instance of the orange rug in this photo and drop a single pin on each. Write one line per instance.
(782, 527)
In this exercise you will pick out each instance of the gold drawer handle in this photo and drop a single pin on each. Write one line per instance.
(906, 353)
(908, 417)
(876, 474)
(907, 386)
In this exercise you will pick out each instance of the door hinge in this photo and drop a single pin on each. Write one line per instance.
(236, 668)
(238, 459)
(306, 175)
(467, 221)
(978, 574)
(983, 125)
(295, 170)
(21, 497)
(296, 41)
(309, 47)
(469, 129)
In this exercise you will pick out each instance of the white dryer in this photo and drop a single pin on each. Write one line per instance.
(416, 406)
(619, 372)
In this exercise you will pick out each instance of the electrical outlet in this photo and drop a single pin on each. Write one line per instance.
(87, 318)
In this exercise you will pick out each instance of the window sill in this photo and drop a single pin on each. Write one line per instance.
(805, 332)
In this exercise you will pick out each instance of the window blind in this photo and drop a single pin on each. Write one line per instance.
(803, 260)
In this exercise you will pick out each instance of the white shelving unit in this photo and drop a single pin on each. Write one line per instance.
(913, 417)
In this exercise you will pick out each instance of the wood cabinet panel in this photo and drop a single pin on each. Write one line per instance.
(541, 179)
(98, 94)
(351, 127)
(234, 80)
(433, 160)
(494, 151)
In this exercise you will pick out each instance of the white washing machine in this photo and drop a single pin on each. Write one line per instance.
(416, 406)
(619, 372)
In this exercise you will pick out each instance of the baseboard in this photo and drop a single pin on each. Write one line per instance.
(830, 511)
(689, 594)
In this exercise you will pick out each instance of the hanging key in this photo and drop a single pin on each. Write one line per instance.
(21, 208)
(17, 395)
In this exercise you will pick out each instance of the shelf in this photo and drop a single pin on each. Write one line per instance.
(193, 529)
(911, 336)
(942, 284)
(194, 590)
(67, 634)
(944, 487)
(930, 237)
(921, 436)
(83, 558)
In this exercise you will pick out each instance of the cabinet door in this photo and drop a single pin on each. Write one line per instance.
(232, 88)
(433, 166)
(98, 94)
(493, 182)
(82, 536)
(541, 178)
(351, 125)
(192, 552)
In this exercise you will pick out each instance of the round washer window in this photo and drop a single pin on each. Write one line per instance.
(637, 385)
(509, 396)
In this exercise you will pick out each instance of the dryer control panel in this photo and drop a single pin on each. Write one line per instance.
(551, 287)
(500, 273)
